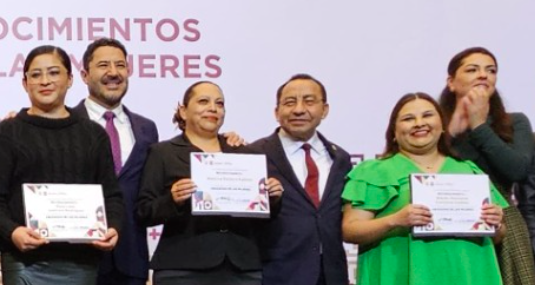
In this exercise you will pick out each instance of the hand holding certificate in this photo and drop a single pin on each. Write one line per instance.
(229, 184)
(456, 202)
(65, 212)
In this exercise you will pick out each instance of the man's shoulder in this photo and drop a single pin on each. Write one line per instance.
(138, 116)
(261, 143)
(142, 122)
(333, 147)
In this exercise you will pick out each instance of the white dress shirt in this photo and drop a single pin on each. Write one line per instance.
(121, 122)
(296, 155)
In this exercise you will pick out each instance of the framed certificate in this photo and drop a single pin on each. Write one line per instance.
(65, 212)
(229, 184)
(455, 200)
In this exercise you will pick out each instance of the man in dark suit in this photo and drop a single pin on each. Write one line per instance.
(106, 71)
(302, 245)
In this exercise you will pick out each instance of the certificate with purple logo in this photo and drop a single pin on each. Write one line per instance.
(229, 184)
(65, 212)
(455, 201)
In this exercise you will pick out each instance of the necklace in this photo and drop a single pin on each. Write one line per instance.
(434, 166)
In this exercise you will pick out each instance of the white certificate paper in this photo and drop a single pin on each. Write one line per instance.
(229, 184)
(455, 200)
(65, 212)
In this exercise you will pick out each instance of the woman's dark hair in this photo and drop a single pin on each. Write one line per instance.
(501, 122)
(185, 101)
(392, 146)
(47, 49)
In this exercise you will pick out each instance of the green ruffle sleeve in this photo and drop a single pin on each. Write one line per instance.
(372, 184)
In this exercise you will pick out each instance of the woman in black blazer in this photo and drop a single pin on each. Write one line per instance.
(196, 249)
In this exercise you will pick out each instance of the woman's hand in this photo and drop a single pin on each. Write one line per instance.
(26, 239)
(412, 215)
(477, 106)
(108, 241)
(459, 119)
(234, 139)
(363, 227)
(492, 214)
(274, 188)
(182, 190)
(10, 115)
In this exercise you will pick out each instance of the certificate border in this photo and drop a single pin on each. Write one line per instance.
(243, 213)
(64, 239)
(434, 233)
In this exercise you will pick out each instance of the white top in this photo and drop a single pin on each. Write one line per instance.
(296, 155)
(121, 122)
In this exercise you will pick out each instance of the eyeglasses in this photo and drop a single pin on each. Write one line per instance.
(36, 76)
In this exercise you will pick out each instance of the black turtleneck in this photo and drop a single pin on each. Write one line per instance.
(35, 149)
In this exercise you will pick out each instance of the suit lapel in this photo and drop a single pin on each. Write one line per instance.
(335, 167)
(138, 129)
(81, 110)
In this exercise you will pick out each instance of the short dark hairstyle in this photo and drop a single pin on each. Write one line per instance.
(102, 42)
(47, 49)
(188, 94)
(501, 122)
(302, 76)
(392, 147)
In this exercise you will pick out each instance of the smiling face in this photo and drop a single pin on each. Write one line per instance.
(476, 71)
(301, 108)
(107, 76)
(418, 127)
(205, 110)
(46, 82)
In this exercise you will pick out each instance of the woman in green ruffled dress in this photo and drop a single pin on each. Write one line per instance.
(379, 217)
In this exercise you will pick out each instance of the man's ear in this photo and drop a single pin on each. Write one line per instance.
(84, 74)
(325, 111)
(276, 113)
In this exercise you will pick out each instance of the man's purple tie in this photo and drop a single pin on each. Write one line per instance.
(311, 182)
(114, 139)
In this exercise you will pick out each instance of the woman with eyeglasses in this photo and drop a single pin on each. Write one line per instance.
(48, 143)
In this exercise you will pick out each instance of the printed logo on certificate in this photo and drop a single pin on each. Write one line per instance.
(229, 184)
(65, 212)
(455, 200)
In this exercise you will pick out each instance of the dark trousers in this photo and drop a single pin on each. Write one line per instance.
(108, 274)
(321, 279)
(225, 274)
(117, 278)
